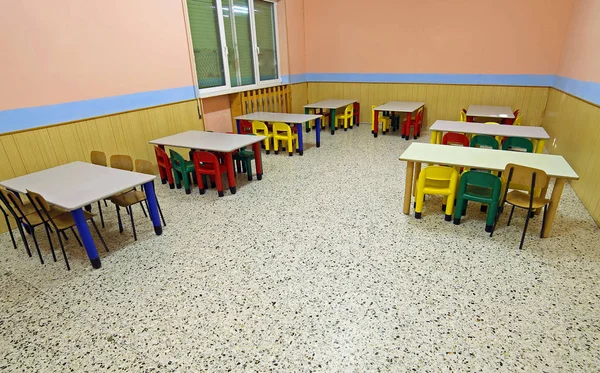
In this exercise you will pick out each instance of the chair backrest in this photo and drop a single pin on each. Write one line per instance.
(419, 116)
(281, 127)
(349, 110)
(481, 179)
(145, 167)
(245, 127)
(437, 176)
(122, 162)
(463, 115)
(98, 158)
(177, 160)
(161, 157)
(202, 157)
(483, 141)
(5, 205)
(452, 138)
(13, 202)
(38, 201)
(517, 176)
(518, 144)
(516, 113)
(518, 120)
(259, 128)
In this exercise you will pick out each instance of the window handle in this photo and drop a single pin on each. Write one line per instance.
(257, 50)
(226, 50)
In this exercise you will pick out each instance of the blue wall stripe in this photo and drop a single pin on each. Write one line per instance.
(26, 118)
(20, 119)
(588, 91)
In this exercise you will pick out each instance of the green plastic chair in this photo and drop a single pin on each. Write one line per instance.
(181, 170)
(244, 157)
(479, 187)
(517, 143)
(482, 141)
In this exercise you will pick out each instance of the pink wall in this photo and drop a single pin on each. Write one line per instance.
(436, 36)
(291, 36)
(581, 54)
(69, 50)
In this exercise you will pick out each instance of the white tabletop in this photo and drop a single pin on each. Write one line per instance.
(74, 185)
(211, 141)
(490, 129)
(329, 104)
(488, 159)
(400, 106)
(279, 117)
(490, 111)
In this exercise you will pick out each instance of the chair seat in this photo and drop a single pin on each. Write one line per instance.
(520, 199)
(34, 218)
(65, 220)
(129, 198)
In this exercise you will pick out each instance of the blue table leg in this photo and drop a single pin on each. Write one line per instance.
(318, 132)
(153, 207)
(237, 124)
(86, 237)
(300, 142)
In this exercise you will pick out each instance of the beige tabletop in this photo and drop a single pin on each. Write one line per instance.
(400, 106)
(329, 104)
(279, 117)
(529, 132)
(74, 185)
(211, 141)
(485, 111)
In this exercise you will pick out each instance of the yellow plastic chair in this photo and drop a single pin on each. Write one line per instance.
(463, 116)
(283, 132)
(440, 180)
(498, 138)
(518, 121)
(385, 121)
(260, 128)
(346, 117)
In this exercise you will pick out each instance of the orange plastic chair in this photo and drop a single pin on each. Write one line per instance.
(439, 180)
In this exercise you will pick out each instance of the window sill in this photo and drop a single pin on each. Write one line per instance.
(239, 89)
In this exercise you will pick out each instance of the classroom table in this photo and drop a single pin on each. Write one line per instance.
(297, 119)
(555, 166)
(397, 107)
(333, 105)
(535, 133)
(216, 142)
(492, 112)
(78, 184)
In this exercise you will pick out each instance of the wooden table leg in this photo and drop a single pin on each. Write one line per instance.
(416, 178)
(559, 184)
(408, 186)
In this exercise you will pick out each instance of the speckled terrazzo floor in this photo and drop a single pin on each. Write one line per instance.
(314, 268)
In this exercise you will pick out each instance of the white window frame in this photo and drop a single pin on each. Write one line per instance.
(227, 88)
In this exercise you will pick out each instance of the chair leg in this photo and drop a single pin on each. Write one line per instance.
(101, 216)
(525, 229)
(119, 219)
(132, 223)
(63, 251)
(143, 209)
(510, 216)
(248, 163)
(99, 235)
(50, 241)
(37, 246)
(12, 237)
(105, 204)
(63, 233)
(76, 237)
(161, 214)
(24, 238)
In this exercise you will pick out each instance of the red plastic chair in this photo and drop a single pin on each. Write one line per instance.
(164, 167)
(245, 127)
(511, 121)
(455, 139)
(415, 124)
(207, 163)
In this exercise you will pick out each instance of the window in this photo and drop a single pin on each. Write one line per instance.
(234, 43)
